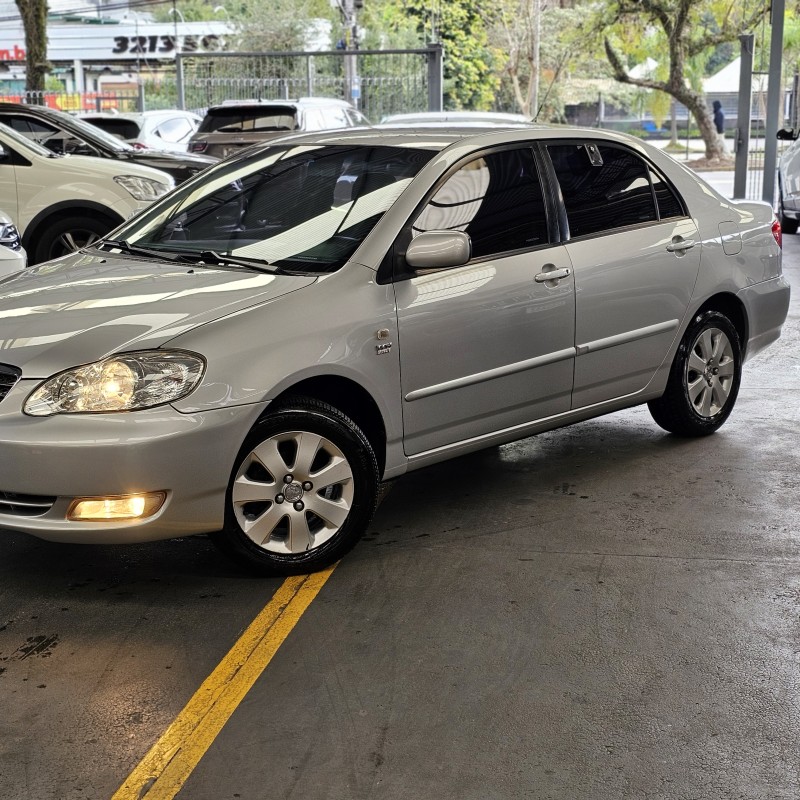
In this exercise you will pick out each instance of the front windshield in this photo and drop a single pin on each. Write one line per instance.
(25, 142)
(301, 208)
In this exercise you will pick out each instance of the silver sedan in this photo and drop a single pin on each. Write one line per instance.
(253, 354)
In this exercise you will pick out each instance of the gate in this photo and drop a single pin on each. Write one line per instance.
(377, 82)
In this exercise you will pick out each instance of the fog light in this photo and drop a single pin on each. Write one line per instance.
(131, 506)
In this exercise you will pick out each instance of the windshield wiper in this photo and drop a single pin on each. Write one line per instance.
(221, 259)
(134, 250)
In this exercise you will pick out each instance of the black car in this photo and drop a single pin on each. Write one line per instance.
(63, 133)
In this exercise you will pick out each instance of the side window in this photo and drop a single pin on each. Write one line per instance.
(174, 130)
(336, 118)
(496, 199)
(602, 196)
(668, 203)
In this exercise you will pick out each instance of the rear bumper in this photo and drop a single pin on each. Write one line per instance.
(767, 305)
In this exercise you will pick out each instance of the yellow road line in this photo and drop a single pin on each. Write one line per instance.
(162, 772)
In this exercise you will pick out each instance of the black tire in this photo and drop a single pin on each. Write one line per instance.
(280, 519)
(704, 378)
(68, 234)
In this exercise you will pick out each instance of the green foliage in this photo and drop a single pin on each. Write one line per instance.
(192, 11)
(469, 78)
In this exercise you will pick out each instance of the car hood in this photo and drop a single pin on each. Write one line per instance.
(161, 159)
(81, 308)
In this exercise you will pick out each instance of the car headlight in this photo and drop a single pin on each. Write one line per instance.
(9, 236)
(142, 188)
(125, 382)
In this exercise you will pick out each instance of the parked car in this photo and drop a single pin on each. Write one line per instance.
(168, 130)
(68, 135)
(254, 353)
(236, 124)
(789, 181)
(61, 203)
(478, 119)
(12, 254)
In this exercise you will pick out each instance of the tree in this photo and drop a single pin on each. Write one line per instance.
(469, 79)
(34, 22)
(685, 30)
(537, 52)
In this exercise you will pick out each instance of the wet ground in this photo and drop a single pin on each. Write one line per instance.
(597, 613)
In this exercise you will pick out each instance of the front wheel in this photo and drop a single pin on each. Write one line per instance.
(68, 234)
(303, 490)
(704, 378)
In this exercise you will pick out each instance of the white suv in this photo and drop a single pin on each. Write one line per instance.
(62, 203)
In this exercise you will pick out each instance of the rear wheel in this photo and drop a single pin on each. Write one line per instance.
(68, 234)
(704, 378)
(303, 490)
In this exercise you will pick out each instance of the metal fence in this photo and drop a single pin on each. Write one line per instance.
(377, 82)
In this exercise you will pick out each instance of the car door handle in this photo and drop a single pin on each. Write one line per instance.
(552, 275)
(679, 245)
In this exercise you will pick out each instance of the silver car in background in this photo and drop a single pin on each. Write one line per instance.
(254, 353)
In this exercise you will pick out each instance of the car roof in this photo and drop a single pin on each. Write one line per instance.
(303, 101)
(458, 116)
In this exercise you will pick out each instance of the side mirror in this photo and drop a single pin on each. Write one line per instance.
(439, 249)
(786, 135)
(4, 154)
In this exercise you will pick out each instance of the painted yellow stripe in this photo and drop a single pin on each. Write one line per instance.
(163, 771)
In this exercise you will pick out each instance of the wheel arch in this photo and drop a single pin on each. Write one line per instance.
(62, 210)
(351, 399)
(733, 308)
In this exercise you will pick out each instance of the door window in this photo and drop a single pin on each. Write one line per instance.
(605, 193)
(496, 199)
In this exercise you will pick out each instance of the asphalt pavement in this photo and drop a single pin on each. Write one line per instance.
(603, 612)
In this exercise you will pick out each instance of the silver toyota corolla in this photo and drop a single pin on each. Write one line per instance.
(253, 354)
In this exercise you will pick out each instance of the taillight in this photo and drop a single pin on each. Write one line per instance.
(776, 232)
(139, 145)
(197, 147)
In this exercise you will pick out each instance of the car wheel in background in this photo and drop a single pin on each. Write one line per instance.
(67, 234)
(303, 490)
(704, 378)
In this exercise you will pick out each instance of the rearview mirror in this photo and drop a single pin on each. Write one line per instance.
(439, 249)
(786, 134)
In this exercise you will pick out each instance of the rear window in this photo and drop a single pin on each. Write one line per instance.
(249, 120)
(122, 128)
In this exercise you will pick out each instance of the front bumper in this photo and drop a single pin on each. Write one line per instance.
(53, 460)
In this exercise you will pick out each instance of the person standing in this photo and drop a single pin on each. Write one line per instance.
(719, 123)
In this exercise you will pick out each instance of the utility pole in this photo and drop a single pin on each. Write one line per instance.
(774, 101)
(352, 88)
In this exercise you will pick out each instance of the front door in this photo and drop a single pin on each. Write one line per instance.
(489, 345)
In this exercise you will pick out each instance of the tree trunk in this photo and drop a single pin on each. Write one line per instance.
(696, 104)
(34, 21)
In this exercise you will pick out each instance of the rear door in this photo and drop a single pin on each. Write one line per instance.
(487, 346)
(636, 255)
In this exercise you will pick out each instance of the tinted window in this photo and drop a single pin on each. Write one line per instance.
(496, 199)
(124, 128)
(602, 196)
(236, 119)
(668, 203)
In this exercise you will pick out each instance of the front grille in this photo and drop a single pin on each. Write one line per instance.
(25, 505)
(8, 377)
